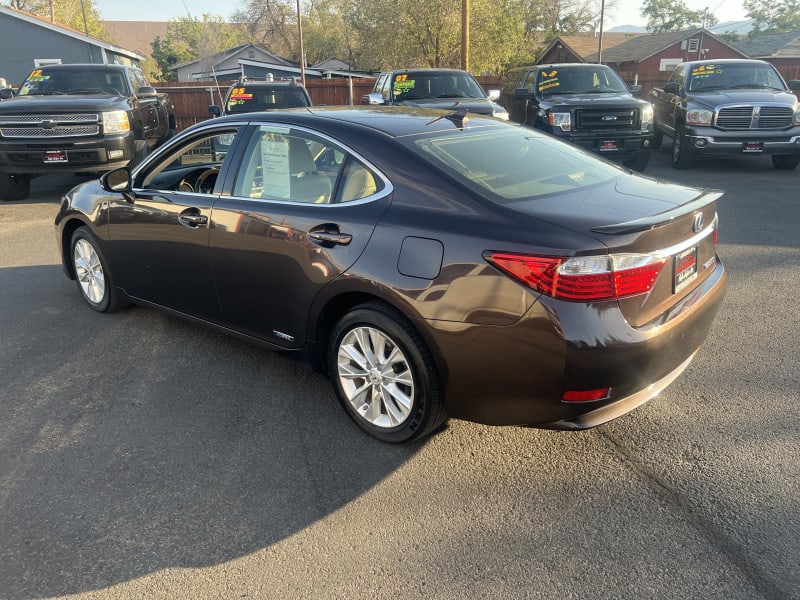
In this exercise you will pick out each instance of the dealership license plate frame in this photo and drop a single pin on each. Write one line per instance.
(684, 268)
(608, 146)
(753, 147)
(55, 156)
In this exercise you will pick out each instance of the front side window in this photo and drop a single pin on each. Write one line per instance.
(290, 165)
(191, 168)
(509, 164)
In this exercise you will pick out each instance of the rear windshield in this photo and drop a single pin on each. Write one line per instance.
(728, 76)
(512, 163)
(425, 85)
(249, 99)
(583, 79)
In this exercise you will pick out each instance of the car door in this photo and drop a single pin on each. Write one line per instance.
(166, 226)
(301, 210)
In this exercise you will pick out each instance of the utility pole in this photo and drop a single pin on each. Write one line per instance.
(465, 35)
(302, 51)
(600, 42)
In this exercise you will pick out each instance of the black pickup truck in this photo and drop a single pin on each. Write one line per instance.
(586, 104)
(728, 107)
(79, 118)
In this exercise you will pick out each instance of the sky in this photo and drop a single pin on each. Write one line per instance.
(625, 13)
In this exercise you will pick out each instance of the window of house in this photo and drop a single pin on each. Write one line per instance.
(668, 64)
(694, 45)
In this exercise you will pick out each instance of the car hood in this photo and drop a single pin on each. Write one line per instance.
(719, 97)
(62, 103)
(628, 198)
(479, 106)
(592, 100)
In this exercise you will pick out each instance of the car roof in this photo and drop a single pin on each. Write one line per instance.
(394, 121)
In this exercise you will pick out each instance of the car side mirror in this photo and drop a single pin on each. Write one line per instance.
(671, 87)
(147, 92)
(522, 94)
(494, 95)
(214, 110)
(794, 84)
(636, 90)
(6, 93)
(119, 181)
(374, 99)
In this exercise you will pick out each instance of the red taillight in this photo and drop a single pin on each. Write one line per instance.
(586, 395)
(582, 278)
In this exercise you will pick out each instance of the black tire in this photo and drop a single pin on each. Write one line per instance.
(657, 139)
(785, 162)
(383, 333)
(14, 186)
(640, 162)
(682, 157)
(92, 273)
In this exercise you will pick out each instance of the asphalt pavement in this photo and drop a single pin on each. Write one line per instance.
(145, 457)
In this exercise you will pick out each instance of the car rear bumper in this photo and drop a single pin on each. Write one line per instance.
(94, 155)
(517, 375)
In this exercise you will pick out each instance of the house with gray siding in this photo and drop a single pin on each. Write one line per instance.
(27, 41)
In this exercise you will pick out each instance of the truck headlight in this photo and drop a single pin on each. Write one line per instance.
(699, 116)
(561, 120)
(499, 112)
(116, 121)
(647, 116)
(797, 116)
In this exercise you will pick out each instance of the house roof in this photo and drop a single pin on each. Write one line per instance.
(585, 45)
(643, 47)
(785, 45)
(68, 31)
(221, 57)
(137, 35)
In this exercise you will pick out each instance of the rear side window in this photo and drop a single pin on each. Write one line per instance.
(512, 163)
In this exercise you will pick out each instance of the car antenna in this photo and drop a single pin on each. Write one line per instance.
(458, 117)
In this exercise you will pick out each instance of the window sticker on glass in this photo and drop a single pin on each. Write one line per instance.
(706, 71)
(275, 166)
(549, 80)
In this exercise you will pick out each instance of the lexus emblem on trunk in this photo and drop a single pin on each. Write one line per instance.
(697, 224)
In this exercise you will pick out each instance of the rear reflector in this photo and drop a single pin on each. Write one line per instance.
(582, 278)
(586, 395)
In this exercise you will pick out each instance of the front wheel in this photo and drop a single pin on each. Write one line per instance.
(785, 162)
(640, 162)
(657, 139)
(384, 375)
(92, 274)
(681, 152)
(14, 186)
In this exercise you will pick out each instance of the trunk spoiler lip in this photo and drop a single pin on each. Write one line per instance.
(662, 218)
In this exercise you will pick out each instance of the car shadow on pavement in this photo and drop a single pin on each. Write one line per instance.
(135, 442)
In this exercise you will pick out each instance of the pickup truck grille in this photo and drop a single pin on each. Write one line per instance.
(598, 119)
(755, 117)
(49, 126)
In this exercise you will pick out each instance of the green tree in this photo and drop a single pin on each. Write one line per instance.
(773, 16)
(69, 13)
(673, 15)
(190, 38)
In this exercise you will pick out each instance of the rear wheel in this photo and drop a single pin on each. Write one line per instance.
(384, 375)
(681, 153)
(92, 274)
(14, 186)
(785, 162)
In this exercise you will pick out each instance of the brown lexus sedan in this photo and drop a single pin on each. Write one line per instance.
(433, 264)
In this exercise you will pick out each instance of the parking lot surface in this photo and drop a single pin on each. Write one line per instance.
(142, 456)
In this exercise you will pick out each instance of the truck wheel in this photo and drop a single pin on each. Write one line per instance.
(785, 162)
(681, 153)
(14, 187)
(640, 162)
(656, 140)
